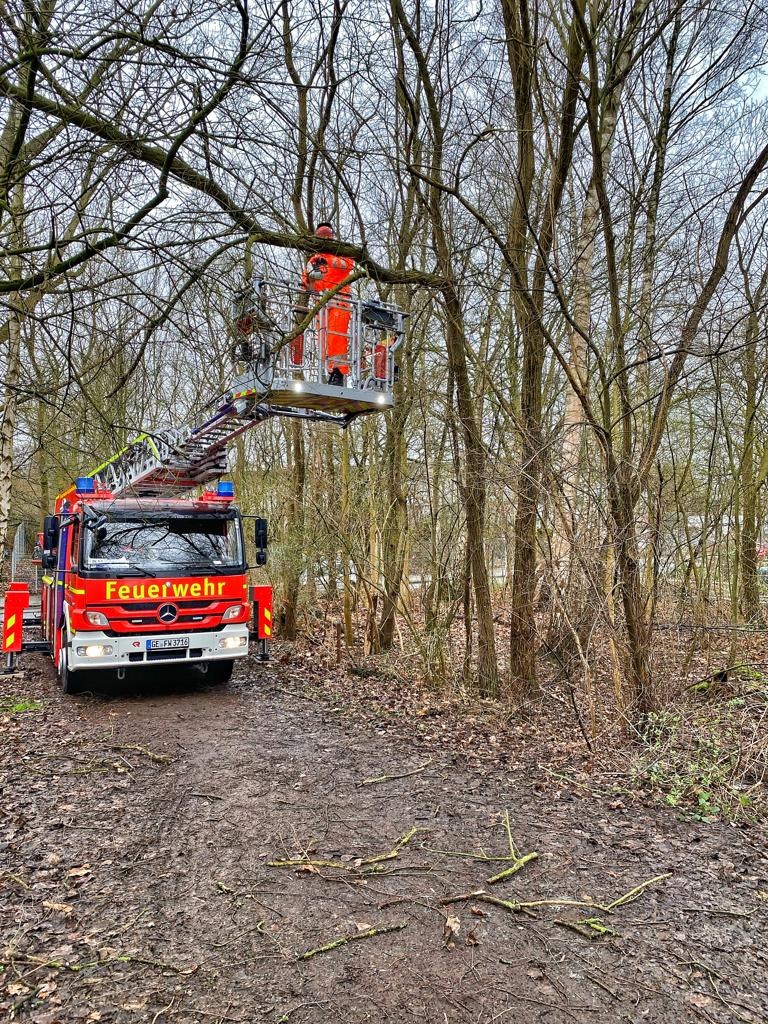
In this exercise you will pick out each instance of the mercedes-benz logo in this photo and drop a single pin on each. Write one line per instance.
(167, 613)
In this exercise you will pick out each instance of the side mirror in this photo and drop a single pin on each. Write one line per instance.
(261, 539)
(261, 533)
(50, 533)
(50, 539)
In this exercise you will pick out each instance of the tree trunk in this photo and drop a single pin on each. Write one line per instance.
(349, 637)
(474, 496)
(523, 631)
(15, 305)
(295, 549)
(750, 594)
(634, 602)
(395, 525)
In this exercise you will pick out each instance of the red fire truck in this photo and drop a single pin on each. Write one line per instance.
(138, 573)
(132, 582)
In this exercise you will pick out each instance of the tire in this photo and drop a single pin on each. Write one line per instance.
(219, 671)
(70, 681)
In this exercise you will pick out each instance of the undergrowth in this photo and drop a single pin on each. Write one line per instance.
(710, 758)
(18, 705)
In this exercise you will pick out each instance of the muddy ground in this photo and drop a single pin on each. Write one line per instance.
(139, 831)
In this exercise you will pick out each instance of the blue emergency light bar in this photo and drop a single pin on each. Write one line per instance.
(225, 489)
(85, 485)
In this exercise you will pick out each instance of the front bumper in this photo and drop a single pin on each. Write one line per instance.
(131, 651)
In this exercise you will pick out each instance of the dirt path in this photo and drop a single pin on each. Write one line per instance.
(137, 833)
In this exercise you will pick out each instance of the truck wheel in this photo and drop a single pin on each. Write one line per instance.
(70, 681)
(219, 671)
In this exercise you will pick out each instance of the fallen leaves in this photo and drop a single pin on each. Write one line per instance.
(79, 872)
(60, 908)
(451, 929)
(455, 803)
(16, 988)
(699, 999)
(46, 990)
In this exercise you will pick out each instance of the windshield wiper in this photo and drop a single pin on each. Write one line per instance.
(140, 570)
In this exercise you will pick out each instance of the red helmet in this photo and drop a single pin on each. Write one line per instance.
(324, 231)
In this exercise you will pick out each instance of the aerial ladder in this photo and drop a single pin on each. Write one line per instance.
(123, 617)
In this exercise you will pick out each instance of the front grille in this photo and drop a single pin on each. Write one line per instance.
(136, 656)
(151, 620)
(151, 627)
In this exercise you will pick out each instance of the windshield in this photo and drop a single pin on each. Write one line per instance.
(163, 545)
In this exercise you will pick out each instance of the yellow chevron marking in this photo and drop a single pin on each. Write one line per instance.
(10, 640)
(11, 622)
(267, 631)
(267, 614)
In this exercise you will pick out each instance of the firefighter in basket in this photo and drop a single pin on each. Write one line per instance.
(323, 272)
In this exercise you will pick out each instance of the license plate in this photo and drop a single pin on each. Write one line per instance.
(167, 643)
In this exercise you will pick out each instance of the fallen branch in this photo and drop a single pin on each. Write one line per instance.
(513, 858)
(61, 965)
(302, 862)
(14, 878)
(465, 856)
(484, 897)
(600, 984)
(588, 927)
(355, 866)
(390, 778)
(722, 912)
(516, 866)
(628, 897)
(165, 1009)
(516, 906)
(157, 758)
(401, 842)
(369, 933)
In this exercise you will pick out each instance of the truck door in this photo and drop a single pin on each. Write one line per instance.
(60, 578)
(48, 590)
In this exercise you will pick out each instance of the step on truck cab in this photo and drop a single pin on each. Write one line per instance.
(131, 582)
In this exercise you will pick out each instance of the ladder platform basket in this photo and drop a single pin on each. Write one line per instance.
(314, 355)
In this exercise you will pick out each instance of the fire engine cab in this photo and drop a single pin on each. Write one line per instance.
(131, 582)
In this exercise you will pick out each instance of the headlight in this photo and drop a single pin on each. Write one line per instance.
(233, 641)
(232, 613)
(95, 650)
(96, 618)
